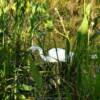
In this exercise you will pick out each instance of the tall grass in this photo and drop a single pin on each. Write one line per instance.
(48, 23)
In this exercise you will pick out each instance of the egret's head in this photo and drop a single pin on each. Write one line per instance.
(33, 48)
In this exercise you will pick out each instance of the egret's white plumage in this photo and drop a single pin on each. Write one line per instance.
(57, 54)
(54, 54)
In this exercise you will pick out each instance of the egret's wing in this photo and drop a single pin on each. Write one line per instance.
(57, 53)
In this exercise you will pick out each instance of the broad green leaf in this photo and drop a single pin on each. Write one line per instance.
(25, 87)
(83, 29)
(21, 97)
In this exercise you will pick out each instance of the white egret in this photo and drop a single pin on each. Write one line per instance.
(54, 54)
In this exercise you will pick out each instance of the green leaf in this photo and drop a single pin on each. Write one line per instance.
(36, 75)
(41, 9)
(33, 9)
(1, 32)
(21, 97)
(25, 87)
(83, 29)
(88, 10)
(49, 24)
(97, 85)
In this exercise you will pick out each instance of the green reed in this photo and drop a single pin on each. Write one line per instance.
(24, 75)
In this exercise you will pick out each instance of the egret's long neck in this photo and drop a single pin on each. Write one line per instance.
(42, 54)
